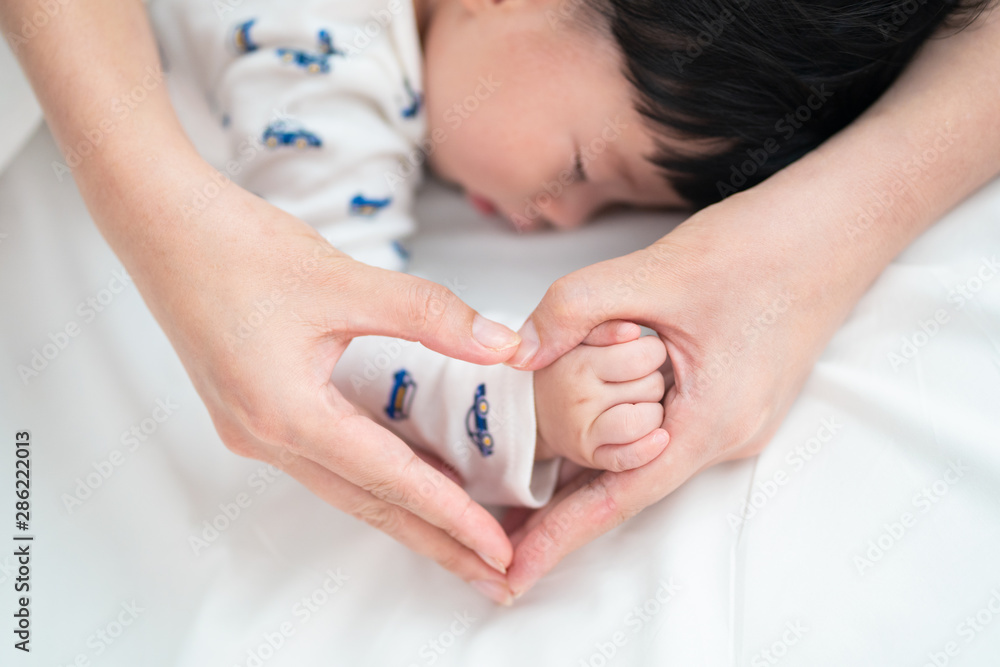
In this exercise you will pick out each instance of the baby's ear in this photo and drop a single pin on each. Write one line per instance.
(613, 332)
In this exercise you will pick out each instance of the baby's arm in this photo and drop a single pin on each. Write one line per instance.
(598, 406)
(601, 405)
(479, 419)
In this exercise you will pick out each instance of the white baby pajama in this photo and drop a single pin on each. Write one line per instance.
(322, 103)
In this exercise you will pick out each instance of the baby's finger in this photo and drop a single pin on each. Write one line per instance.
(625, 423)
(612, 332)
(618, 458)
(629, 361)
(649, 389)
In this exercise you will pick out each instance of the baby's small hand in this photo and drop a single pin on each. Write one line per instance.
(600, 406)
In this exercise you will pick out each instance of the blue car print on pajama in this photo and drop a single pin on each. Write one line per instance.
(366, 207)
(314, 63)
(475, 422)
(401, 395)
(242, 42)
(416, 101)
(281, 133)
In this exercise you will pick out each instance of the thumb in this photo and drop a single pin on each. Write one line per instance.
(387, 303)
(572, 307)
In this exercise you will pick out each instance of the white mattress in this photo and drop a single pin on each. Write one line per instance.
(677, 585)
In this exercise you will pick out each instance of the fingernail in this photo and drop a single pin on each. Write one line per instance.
(492, 335)
(494, 590)
(529, 345)
(659, 437)
(492, 562)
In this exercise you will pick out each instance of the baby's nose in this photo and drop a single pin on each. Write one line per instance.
(564, 214)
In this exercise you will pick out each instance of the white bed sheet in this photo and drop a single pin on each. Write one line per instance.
(677, 585)
(19, 112)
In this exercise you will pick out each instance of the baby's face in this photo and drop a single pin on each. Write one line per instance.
(532, 116)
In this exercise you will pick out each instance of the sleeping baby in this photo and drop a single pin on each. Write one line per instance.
(544, 112)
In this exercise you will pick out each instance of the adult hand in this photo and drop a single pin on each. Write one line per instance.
(258, 306)
(743, 323)
(259, 336)
(746, 293)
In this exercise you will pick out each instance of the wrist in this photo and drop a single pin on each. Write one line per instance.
(841, 214)
(139, 168)
(542, 450)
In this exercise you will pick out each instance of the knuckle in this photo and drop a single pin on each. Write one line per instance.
(383, 517)
(659, 384)
(549, 529)
(428, 302)
(653, 388)
(654, 417)
(618, 460)
(268, 430)
(654, 351)
(239, 446)
(631, 422)
(468, 506)
(257, 419)
(268, 427)
(611, 512)
(450, 560)
(604, 333)
(387, 491)
(235, 437)
(564, 297)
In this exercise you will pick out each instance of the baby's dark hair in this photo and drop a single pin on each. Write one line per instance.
(756, 84)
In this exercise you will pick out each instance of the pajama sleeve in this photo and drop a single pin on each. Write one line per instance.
(479, 419)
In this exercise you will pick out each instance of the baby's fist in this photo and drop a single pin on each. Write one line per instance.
(601, 406)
